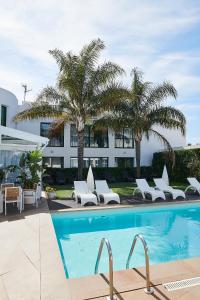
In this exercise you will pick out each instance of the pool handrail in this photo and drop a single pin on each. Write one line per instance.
(148, 289)
(107, 243)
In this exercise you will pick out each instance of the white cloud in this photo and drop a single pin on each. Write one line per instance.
(135, 34)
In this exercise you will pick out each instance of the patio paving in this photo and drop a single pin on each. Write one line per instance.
(63, 204)
(31, 267)
(30, 264)
(130, 284)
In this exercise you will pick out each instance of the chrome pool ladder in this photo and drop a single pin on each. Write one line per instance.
(148, 289)
(106, 242)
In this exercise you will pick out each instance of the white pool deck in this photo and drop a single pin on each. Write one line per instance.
(30, 264)
(31, 267)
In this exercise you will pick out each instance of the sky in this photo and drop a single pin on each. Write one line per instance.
(162, 38)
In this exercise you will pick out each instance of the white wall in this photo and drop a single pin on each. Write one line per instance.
(8, 99)
(147, 148)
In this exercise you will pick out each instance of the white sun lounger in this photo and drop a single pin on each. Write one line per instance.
(81, 191)
(144, 188)
(162, 186)
(105, 192)
(194, 185)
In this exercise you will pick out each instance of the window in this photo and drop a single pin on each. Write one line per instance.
(53, 162)
(3, 115)
(92, 138)
(124, 139)
(124, 162)
(73, 136)
(57, 141)
(95, 162)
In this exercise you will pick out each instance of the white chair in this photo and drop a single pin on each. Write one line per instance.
(194, 185)
(13, 195)
(39, 190)
(81, 191)
(38, 193)
(144, 188)
(162, 186)
(5, 185)
(103, 190)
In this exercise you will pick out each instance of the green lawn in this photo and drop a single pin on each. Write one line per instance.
(63, 191)
(122, 188)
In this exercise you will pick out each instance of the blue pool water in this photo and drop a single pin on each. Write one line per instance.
(172, 233)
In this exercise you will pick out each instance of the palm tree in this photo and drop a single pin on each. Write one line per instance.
(142, 111)
(84, 90)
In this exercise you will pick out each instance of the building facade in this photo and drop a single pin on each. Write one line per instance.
(104, 148)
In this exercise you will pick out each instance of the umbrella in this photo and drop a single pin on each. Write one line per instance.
(90, 179)
(165, 176)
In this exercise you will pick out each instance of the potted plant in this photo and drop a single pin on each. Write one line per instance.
(29, 170)
(51, 192)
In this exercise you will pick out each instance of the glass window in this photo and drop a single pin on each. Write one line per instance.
(124, 139)
(124, 162)
(95, 162)
(99, 138)
(92, 138)
(86, 162)
(53, 162)
(73, 162)
(3, 115)
(87, 136)
(100, 162)
(57, 141)
(73, 136)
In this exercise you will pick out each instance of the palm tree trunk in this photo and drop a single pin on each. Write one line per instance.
(138, 157)
(80, 135)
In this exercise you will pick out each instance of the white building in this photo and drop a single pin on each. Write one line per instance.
(103, 149)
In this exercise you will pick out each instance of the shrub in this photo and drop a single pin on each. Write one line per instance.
(186, 164)
(50, 189)
(53, 175)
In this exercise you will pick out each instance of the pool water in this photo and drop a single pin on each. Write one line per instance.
(172, 232)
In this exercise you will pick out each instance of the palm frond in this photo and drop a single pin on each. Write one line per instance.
(168, 117)
(109, 120)
(106, 72)
(113, 94)
(137, 74)
(164, 141)
(50, 95)
(59, 56)
(90, 53)
(57, 127)
(139, 88)
(161, 92)
(35, 111)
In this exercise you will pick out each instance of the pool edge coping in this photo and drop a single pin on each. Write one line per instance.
(65, 210)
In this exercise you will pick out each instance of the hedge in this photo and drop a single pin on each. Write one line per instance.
(180, 171)
(68, 175)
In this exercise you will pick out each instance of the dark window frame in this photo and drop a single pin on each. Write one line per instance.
(90, 159)
(123, 139)
(89, 139)
(60, 137)
(4, 109)
(72, 146)
(128, 157)
(50, 157)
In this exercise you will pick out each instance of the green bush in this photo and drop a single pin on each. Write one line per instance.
(68, 175)
(185, 161)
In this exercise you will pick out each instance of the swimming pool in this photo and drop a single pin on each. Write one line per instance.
(172, 233)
